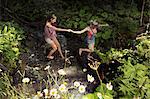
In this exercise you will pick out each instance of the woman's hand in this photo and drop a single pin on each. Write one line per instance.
(69, 30)
(72, 31)
(75, 32)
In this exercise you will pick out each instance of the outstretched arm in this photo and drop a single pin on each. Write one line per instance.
(60, 29)
(82, 31)
(103, 24)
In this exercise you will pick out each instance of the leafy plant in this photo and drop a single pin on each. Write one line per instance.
(103, 91)
(7, 90)
(10, 39)
(143, 50)
(134, 69)
(134, 81)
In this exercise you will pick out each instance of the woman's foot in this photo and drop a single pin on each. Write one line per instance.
(89, 56)
(50, 57)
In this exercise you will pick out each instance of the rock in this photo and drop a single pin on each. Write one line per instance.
(63, 41)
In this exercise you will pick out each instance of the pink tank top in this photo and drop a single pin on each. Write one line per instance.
(49, 32)
(90, 34)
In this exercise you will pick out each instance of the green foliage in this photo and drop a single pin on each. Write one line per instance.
(7, 91)
(122, 16)
(105, 33)
(113, 54)
(104, 91)
(123, 22)
(90, 96)
(143, 49)
(78, 19)
(134, 79)
(101, 92)
(128, 25)
(10, 37)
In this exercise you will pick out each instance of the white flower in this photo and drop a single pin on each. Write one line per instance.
(47, 97)
(109, 86)
(53, 92)
(39, 93)
(90, 78)
(136, 97)
(47, 67)
(61, 72)
(57, 96)
(112, 62)
(76, 84)
(67, 51)
(45, 91)
(99, 95)
(35, 97)
(62, 88)
(84, 70)
(25, 80)
(20, 61)
(32, 55)
(81, 89)
(0, 70)
(36, 68)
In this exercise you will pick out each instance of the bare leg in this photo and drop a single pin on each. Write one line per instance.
(84, 49)
(59, 47)
(52, 51)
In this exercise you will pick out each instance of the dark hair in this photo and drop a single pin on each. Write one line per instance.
(50, 17)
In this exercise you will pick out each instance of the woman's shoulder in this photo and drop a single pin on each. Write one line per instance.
(48, 25)
(87, 28)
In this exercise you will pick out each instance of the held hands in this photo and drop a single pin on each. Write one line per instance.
(72, 31)
(69, 30)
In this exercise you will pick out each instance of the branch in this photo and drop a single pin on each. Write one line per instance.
(3, 67)
(18, 19)
(142, 12)
(15, 17)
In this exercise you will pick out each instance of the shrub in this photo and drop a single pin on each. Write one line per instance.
(10, 39)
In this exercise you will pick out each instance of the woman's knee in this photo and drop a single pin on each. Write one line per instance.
(56, 42)
(55, 48)
(91, 48)
(58, 46)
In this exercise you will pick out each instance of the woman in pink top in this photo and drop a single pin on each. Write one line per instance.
(50, 36)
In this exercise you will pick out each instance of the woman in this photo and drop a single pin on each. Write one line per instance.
(50, 36)
(91, 32)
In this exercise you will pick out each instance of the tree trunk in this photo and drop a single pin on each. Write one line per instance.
(141, 20)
